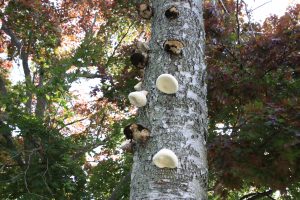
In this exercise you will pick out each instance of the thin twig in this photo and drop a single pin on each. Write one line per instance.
(223, 5)
(237, 22)
(248, 13)
(3, 89)
(11, 146)
(73, 122)
(27, 168)
(93, 24)
(11, 179)
(256, 195)
(82, 151)
(261, 5)
(117, 46)
(24, 57)
(44, 178)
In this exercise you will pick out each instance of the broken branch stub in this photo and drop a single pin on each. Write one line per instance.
(173, 46)
(172, 13)
(145, 10)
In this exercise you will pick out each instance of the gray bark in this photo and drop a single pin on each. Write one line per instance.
(177, 122)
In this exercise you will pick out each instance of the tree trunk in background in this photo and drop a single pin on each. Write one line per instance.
(179, 121)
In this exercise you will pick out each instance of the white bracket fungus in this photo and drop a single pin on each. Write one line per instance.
(138, 86)
(167, 83)
(138, 98)
(165, 158)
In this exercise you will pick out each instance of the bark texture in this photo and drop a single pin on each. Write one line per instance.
(177, 122)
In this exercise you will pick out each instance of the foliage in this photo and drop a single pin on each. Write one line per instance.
(106, 176)
(49, 173)
(46, 129)
(57, 144)
(253, 100)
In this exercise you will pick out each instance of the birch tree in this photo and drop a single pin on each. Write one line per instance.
(176, 121)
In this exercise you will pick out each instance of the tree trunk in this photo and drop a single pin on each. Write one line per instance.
(177, 121)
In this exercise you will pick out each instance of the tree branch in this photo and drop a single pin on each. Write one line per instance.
(73, 122)
(90, 31)
(248, 13)
(261, 5)
(257, 195)
(224, 8)
(3, 87)
(16, 42)
(120, 42)
(93, 145)
(24, 57)
(11, 34)
(10, 144)
(88, 148)
(44, 178)
(41, 98)
(238, 22)
(89, 76)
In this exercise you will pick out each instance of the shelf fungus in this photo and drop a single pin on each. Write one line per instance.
(167, 83)
(145, 10)
(138, 98)
(173, 46)
(172, 13)
(139, 57)
(165, 158)
(137, 133)
(138, 86)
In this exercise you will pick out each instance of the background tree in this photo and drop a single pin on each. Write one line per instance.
(253, 76)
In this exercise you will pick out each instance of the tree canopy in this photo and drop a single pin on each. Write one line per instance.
(57, 143)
